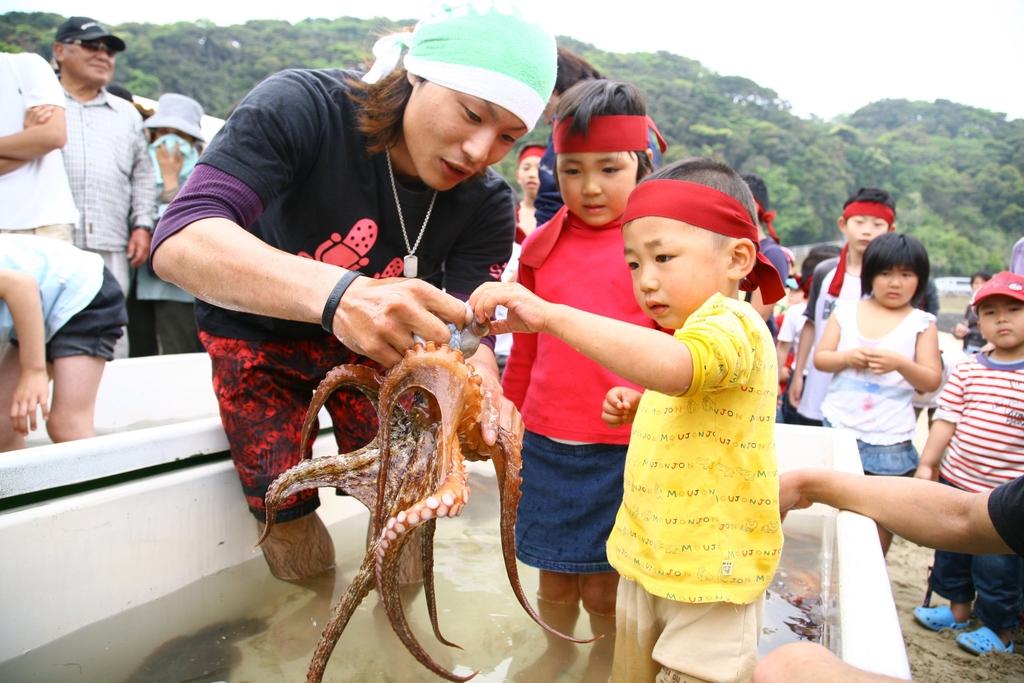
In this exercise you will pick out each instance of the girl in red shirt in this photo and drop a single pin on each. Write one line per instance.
(572, 461)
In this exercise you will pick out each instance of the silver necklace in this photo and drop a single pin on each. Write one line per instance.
(410, 264)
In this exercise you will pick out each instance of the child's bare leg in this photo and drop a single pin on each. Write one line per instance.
(558, 587)
(76, 379)
(10, 371)
(961, 610)
(558, 599)
(602, 651)
(598, 593)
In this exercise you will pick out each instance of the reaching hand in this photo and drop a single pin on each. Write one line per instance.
(378, 318)
(527, 312)
(619, 407)
(31, 396)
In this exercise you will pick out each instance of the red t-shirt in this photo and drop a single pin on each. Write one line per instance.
(558, 390)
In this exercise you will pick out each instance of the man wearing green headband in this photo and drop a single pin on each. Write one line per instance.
(336, 216)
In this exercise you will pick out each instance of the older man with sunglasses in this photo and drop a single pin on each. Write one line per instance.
(112, 178)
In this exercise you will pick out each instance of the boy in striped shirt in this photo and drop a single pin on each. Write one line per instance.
(980, 427)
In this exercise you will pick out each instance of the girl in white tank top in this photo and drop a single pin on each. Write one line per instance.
(880, 350)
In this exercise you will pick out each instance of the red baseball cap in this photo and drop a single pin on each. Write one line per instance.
(1002, 284)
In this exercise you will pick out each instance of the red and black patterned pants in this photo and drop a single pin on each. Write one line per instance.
(264, 389)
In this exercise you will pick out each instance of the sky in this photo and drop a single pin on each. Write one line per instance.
(825, 57)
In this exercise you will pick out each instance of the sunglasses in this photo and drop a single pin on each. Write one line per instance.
(93, 46)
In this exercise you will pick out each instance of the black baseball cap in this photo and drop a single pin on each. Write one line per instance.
(84, 28)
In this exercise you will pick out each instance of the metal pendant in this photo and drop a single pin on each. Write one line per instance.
(410, 266)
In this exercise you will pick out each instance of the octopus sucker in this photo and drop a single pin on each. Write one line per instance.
(431, 408)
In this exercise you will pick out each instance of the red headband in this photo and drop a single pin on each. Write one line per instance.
(768, 218)
(662, 143)
(876, 209)
(532, 151)
(707, 208)
(614, 133)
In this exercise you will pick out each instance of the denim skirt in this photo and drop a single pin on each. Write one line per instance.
(890, 459)
(570, 495)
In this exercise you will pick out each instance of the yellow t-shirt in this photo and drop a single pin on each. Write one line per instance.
(699, 520)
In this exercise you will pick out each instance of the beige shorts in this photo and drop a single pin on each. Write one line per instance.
(58, 231)
(674, 642)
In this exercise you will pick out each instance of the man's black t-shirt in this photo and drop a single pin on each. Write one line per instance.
(1006, 508)
(294, 141)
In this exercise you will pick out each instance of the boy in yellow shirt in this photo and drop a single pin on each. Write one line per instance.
(698, 536)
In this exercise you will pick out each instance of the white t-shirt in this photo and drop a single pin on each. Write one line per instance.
(816, 382)
(37, 193)
(876, 406)
(792, 323)
(68, 277)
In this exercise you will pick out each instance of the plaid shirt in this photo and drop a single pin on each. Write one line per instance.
(111, 176)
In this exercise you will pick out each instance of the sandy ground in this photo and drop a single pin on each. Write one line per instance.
(935, 657)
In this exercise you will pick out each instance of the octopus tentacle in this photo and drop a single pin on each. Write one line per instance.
(507, 464)
(348, 471)
(387, 575)
(307, 473)
(448, 397)
(411, 475)
(389, 550)
(360, 377)
(357, 590)
(427, 554)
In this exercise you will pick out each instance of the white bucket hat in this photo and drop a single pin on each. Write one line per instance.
(179, 112)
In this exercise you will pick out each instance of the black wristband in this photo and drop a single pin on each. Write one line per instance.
(327, 319)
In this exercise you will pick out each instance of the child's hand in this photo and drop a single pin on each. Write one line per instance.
(856, 358)
(883, 360)
(926, 471)
(527, 312)
(619, 406)
(30, 396)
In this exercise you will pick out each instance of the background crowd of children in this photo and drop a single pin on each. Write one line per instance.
(857, 348)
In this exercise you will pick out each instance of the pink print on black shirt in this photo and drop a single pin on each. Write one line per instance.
(350, 252)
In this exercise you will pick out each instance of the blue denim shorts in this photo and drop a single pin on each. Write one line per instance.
(891, 459)
(570, 495)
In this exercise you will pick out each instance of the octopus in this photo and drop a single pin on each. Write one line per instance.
(431, 407)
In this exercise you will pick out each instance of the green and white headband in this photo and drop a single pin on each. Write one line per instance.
(484, 48)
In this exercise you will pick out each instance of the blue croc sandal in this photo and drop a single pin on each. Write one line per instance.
(982, 641)
(938, 618)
